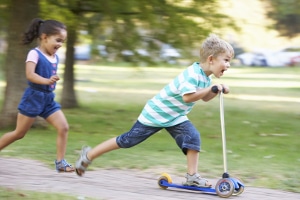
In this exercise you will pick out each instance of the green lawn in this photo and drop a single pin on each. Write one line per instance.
(262, 116)
(10, 194)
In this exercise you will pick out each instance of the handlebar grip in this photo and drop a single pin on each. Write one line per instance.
(215, 89)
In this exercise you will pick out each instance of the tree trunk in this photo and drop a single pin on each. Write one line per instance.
(14, 67)
(68, 97)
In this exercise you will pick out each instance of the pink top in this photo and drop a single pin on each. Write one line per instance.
(33, 56)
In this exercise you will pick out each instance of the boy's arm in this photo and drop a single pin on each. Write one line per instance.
(205, 94)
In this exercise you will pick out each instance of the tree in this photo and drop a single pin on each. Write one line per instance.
(123, 24)
(141, 24)
(14, 66)
(286, 16)
(127, 25)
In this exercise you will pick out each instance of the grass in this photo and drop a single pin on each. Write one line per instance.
(261, 115)
(10, 194)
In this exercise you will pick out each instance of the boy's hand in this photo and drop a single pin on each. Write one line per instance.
(225, 89)
(220, 87)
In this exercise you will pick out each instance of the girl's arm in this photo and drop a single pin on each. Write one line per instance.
(35, 78)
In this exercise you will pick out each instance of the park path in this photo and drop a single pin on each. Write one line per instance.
(107, 184)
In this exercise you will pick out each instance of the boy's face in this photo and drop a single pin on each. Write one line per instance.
(220, 64)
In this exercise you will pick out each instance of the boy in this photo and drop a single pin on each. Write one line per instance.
(168, 109)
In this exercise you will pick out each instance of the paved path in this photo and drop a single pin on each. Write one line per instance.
(110, 184)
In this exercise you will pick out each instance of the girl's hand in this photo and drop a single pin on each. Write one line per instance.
(53, 79)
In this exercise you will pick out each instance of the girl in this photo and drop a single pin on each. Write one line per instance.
(38, 98)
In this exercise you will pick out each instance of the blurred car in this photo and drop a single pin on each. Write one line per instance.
(295, 61)
(286, 55)
(141, 52)
(169, 54)
(252, 59)
(102, 50)
(82, 52)
(269, 58)
(246, 58)
(129, 55)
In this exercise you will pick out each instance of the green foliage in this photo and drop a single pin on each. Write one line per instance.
(58, 13)
(10, 194)
(286, 14)
(1, 65)
(142, 24)
(3, 17)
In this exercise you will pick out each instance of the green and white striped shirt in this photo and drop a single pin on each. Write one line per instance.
(167, 108)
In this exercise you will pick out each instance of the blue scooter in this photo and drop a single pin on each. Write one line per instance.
(226, 186)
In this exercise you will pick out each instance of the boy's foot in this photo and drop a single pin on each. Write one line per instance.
(83, 162)
(63, 166)
(196, 180)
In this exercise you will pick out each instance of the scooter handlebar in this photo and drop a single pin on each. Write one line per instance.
(215, 89)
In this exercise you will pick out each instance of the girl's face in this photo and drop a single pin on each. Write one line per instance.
(52, 43)
(220, 64)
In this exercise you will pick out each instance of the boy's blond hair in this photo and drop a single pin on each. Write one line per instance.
(214, 46)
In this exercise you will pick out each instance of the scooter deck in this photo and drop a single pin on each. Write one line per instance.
(208, 190)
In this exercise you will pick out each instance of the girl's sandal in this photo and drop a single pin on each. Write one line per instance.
(63, 166)
(83, 162)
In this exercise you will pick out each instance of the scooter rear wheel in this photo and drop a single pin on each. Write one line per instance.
(164, 177)
(224, 188)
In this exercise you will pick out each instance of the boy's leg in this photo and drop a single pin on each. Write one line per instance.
(102, 148)
(23, 125)
(192, 161)
(88, 154)
(188, 139)
(192, 171)
(137, 134)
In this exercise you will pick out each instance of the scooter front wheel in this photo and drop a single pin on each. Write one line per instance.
(224, 188)
(240, 190)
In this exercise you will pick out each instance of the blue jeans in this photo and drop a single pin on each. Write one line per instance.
(185, 135)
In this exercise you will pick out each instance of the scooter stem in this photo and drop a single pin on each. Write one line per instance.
(223, 135)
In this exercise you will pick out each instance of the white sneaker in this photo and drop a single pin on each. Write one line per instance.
(83, 161)
(196, 180)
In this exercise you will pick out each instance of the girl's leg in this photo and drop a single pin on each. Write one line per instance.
(23, 125)
(59, 122)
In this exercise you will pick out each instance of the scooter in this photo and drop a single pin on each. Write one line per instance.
(225, 187)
